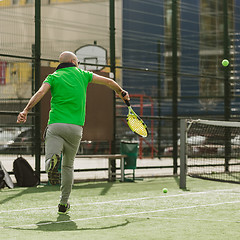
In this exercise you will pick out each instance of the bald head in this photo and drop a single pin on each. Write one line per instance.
(68, 57)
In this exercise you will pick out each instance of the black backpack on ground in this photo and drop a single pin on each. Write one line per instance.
(24, 173)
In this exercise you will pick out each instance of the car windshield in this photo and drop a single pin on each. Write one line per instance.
(10, 134)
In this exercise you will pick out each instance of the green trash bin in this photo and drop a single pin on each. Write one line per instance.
(130, 148)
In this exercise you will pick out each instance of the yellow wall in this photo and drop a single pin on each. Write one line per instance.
(60, 1)
(21, 71)
(6, 3)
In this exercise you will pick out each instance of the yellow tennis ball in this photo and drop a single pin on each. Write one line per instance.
(225, 62)
(165, 190)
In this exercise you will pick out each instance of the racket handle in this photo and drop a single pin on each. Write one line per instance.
(126, 101)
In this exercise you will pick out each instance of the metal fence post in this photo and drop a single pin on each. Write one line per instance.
(227, 97)
(227, 93)
(174, 84)
(183, 158)
(113, 71)
(37, 66)
(159, 97)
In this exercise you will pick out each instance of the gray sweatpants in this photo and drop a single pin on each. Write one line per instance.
(62, 138)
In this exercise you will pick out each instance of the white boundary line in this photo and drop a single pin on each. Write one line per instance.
(121, 215)
(195, 219)
(121, 200)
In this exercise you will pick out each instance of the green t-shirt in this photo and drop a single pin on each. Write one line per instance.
(68, 89)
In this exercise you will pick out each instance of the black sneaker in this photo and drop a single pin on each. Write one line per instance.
(53, 174)
(63, 208)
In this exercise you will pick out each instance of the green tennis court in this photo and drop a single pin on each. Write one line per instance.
(139, 210)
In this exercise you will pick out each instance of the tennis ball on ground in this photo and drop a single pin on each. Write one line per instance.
(165, 190)
(225, 62)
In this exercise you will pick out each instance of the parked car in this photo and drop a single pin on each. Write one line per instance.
(18, 141)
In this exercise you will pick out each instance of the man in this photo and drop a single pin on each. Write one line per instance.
(68, 85)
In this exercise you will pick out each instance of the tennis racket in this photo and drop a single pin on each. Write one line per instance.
(135, 123)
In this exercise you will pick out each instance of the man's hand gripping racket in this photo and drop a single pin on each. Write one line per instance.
(135, 123)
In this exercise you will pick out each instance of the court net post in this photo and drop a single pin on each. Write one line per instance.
(183, 158)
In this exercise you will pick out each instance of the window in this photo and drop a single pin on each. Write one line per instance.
(168, 86)
(211, 50)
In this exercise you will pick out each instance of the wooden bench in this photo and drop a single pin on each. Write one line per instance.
(111, 165)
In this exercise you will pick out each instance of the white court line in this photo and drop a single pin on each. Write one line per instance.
(120, 215)
(120, 200)
(194, 219)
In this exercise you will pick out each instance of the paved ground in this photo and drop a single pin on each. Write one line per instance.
(92, 163)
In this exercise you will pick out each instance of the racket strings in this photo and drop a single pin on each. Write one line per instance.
(137, 126)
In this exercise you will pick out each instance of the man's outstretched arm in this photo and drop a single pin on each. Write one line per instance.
(111, 84)
(22, 117)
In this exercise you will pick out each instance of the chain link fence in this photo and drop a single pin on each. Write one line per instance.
(167, 54)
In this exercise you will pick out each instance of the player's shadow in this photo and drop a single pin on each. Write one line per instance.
(64, 223)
